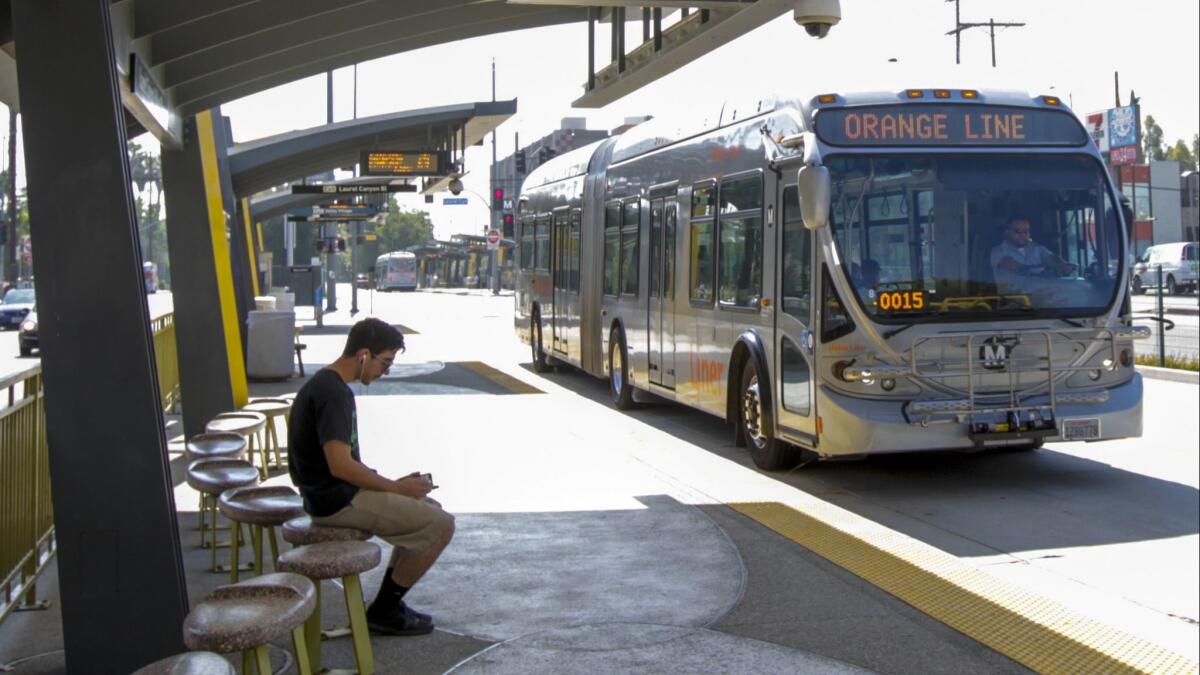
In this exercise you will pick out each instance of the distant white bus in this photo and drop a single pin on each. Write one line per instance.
(396, 271)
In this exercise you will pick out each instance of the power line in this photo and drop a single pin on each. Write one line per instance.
(991, 25)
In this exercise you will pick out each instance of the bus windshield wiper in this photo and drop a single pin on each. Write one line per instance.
(896, 331)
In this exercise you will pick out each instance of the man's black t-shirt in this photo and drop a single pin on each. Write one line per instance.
(323, 411)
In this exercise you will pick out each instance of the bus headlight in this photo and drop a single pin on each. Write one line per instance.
(1094, 374)
(1108, 364)
(887, 383)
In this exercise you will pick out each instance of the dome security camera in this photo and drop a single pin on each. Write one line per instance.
(455, 186)
(817, 16)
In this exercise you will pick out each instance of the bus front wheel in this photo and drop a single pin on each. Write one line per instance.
(618, 372)
(768, 452)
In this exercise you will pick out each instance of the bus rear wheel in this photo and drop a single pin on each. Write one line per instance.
(769, 453)
(618, 372)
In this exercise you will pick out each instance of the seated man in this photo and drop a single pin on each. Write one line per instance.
(1018, 256)
(340, 491)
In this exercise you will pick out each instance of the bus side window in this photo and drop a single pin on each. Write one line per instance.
(797, 260)
(630, 233)
(612, 246)
(701, 269)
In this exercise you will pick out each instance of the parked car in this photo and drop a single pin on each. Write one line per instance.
(362, 281)
(28, 335)
(1179, 268)
(17, 304)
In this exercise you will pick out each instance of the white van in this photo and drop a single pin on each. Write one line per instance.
(1178, 261)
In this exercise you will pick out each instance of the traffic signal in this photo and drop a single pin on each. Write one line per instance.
(545, 153)
(498, 199)
(519, 157)
(507, 226)
(341, 244)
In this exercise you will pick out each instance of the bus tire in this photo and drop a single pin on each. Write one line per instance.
(618, 372)
(769, 453)
(540, 365)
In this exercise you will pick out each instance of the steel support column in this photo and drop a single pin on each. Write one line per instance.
(119, 568)
(212, 370)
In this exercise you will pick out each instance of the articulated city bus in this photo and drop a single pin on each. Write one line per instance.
(853, 274)
(396, 271)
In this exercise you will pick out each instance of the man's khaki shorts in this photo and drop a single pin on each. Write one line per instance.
(410, 524)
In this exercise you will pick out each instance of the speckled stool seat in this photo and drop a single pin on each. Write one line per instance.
(245, 424)
(212, 446)
(191, 663)
(271, 408)
(343, 560)
(245, 617)
(260, 507)
(211, 477)
(301, 530)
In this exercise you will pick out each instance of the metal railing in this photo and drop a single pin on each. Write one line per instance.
(1173, 338)
(27, 542)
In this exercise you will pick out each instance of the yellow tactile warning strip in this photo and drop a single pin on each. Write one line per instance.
(223, 266)
(503, 379)
(1032, 630)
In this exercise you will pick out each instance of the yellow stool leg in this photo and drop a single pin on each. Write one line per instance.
(274, 550)
(275, 442)
(358, 625)
(262, 659)
(256, 542)
(312, 632)
(215, 568)
(203, 505)
(235, 545)
(303, 665)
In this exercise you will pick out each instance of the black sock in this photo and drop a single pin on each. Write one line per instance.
(390, 591)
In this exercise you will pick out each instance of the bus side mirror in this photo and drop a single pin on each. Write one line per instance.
(814, 189)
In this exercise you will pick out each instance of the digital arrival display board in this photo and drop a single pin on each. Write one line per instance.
(404, 163)
(948, 125)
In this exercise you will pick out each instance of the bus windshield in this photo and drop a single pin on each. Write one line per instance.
(936, 237)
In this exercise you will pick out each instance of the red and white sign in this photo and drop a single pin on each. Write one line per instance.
(493, 238)
(1124, 155)
(1097, 127)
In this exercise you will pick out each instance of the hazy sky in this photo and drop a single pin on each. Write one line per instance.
(1069, 48)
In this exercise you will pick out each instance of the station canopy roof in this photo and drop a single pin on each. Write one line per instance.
(202, 53)
(267, 162)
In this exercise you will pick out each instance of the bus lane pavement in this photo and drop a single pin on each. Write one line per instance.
(1011, 515)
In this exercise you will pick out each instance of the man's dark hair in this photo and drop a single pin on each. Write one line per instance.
(375, 335)
(1013, 220)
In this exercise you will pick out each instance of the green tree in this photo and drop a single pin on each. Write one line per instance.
(1181, 153)
(401, 229)
(145, 173)
(1152, 139)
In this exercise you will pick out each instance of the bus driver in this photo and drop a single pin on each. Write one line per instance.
(1019, 256)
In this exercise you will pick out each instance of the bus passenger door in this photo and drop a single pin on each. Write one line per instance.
(558, 278)
(794, 339)
(661, 307)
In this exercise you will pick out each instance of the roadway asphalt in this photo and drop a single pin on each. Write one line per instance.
(595, 540)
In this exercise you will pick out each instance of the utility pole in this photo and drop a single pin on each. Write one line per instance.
(494, 219)
(10, 244)
(330, 251)
(960, 26)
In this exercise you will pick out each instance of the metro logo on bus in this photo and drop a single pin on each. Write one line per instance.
(924, 124)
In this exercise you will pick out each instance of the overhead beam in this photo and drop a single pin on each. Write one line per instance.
(683, 42)
(323, 55)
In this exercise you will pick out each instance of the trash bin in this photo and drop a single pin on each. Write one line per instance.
(270, 336)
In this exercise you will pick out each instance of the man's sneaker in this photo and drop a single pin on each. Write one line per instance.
(416, 613)
(397, 620)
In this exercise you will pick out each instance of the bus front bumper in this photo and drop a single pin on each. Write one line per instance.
(856, 426)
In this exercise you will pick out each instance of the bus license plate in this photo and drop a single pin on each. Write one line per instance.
(1081, 429)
